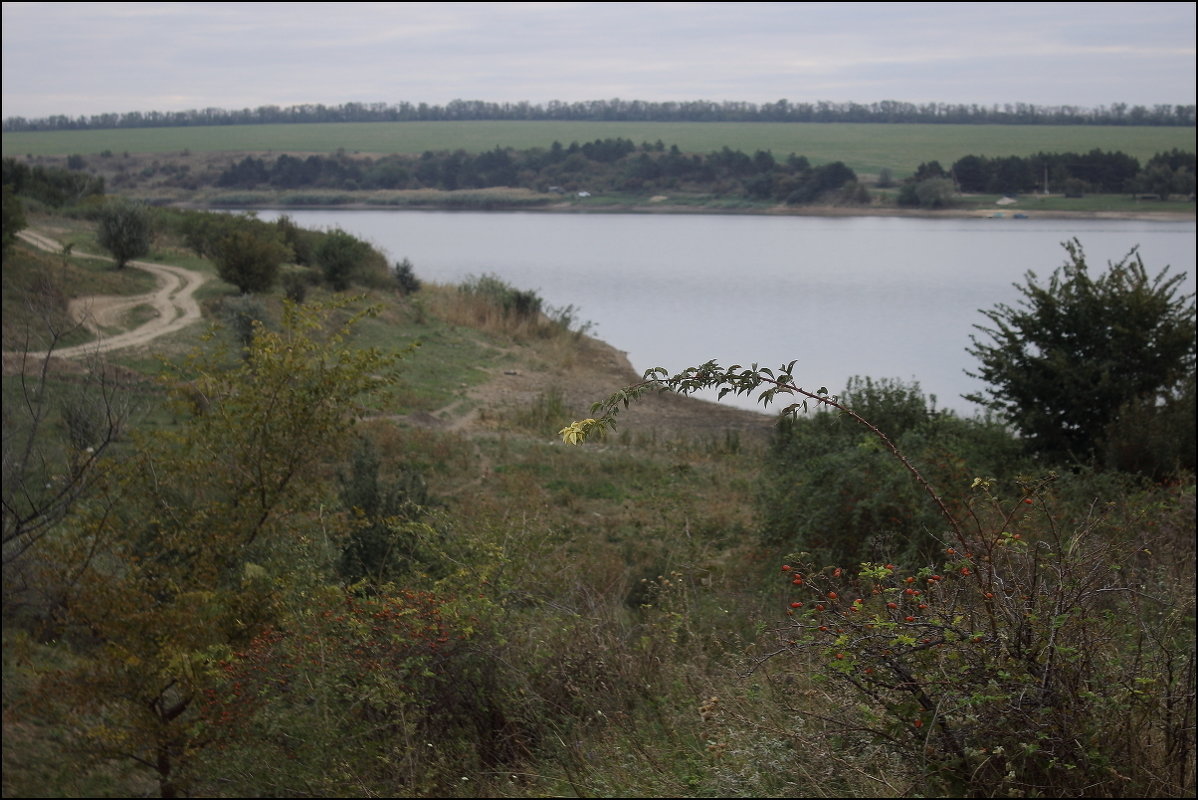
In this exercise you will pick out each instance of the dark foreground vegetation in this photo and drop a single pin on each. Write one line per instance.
(298, 557)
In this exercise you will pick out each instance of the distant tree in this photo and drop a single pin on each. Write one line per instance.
(970, 173)
(933, 193)
(928, 170)
(125, 230)
(1064, 362)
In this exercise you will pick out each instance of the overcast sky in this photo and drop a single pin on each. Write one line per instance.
(87, 58)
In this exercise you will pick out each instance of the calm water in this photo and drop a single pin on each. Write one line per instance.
(877, 296)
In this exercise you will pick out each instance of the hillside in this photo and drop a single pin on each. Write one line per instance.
(294, 556)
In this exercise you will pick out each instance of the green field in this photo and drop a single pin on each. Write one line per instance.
(864, 147)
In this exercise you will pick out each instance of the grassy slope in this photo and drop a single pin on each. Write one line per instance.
(864, 147)
(585, 534)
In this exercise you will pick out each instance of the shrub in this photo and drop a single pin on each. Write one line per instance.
(1073, 353)
(831, 488)
(250, 260)
(405, 278)
(125, 230)
(1026, 662)
(1047, 650)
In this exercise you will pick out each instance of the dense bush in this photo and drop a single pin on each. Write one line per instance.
(1080, 354)
(830, 488)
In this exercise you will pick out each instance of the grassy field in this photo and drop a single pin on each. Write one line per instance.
(864, 147)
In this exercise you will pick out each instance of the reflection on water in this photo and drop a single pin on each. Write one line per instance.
(877, 296)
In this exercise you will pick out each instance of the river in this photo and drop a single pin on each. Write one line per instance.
(887, 297)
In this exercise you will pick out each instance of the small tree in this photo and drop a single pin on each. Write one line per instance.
(250, 259)
(125, 230)
(175, 567)
(405, 277)
(341, 257)
(1064, 361)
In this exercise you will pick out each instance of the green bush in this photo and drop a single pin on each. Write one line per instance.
(524, 304)
(831, 488)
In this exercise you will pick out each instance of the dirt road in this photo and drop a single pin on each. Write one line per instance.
(173, 302)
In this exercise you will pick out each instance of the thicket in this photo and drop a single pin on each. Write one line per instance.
(52, 186)
(250, 253)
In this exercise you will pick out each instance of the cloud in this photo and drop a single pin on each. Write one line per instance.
(83, 58)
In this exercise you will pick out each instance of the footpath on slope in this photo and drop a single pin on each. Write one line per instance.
(598, 369)
(173, 302)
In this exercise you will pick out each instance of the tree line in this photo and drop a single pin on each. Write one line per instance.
(613, 164)
(617, 110)
(1073, 174)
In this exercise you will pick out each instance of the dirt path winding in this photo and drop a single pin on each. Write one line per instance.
(173, 302)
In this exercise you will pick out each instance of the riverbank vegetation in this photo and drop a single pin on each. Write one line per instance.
(299, 556)
(615, 174)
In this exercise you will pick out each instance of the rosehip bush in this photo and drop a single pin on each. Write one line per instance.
(1046, 652)
(1022, 663)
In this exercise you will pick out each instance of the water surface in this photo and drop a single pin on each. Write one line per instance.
(880, 296)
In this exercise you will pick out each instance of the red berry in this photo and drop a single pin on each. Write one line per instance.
(910, 619)
(796, 605)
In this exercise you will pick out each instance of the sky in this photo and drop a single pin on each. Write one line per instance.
(89, 58)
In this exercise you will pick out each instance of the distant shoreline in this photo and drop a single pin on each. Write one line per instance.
(779, 211)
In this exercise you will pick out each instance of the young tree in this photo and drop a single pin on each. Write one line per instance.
(249, 259)
(1072, 353)
(342, 257)
(125, 230)
(186, 564)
